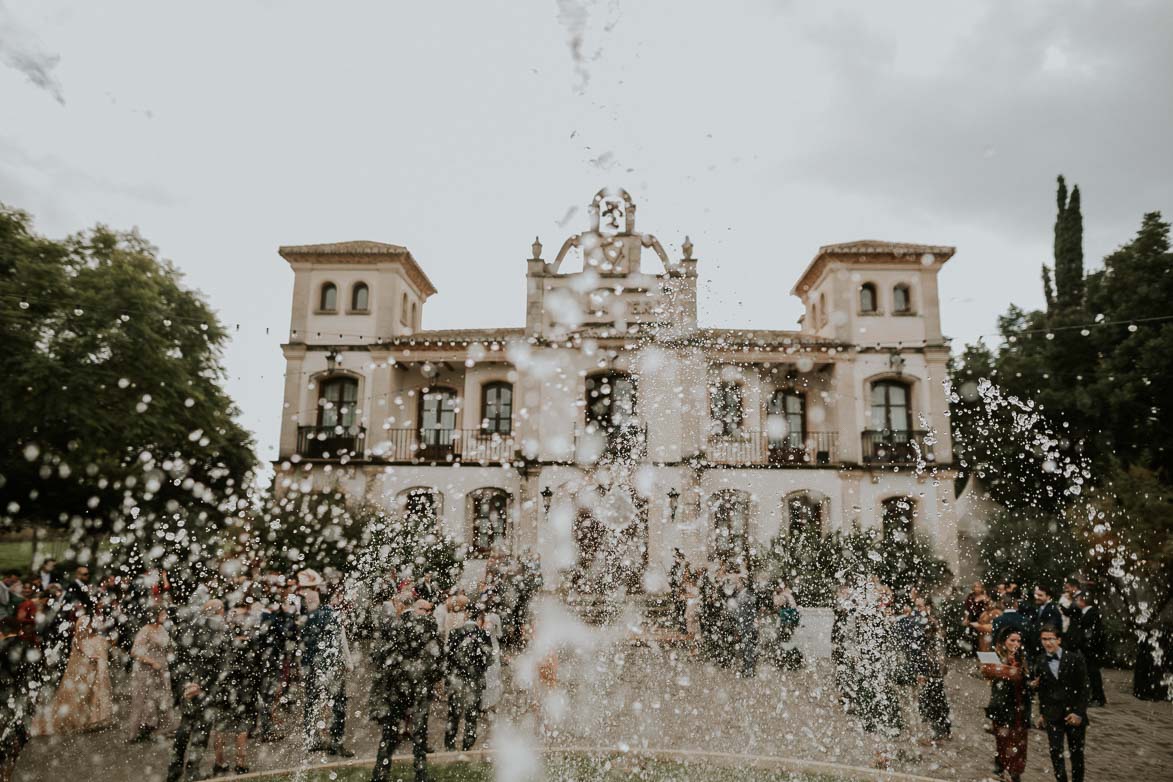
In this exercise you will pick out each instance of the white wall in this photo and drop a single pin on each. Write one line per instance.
(344, 327)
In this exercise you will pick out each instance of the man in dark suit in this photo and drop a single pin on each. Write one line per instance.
(410, 653)
(1010, 617)
(78, 595)
(1094, 646)
(1047, 614)
(1072, 631)
(1060, 680)
(45, 575)
(467, 656)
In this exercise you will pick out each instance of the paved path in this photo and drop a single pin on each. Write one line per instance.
(643, 698)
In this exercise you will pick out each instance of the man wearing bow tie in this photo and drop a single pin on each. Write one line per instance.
(1060, 679)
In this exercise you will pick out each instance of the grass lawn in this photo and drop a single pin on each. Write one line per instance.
(16, 555)
(570, 769)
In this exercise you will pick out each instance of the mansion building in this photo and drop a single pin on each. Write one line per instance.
(612, 428)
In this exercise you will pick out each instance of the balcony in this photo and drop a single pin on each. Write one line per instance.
(883, 446)
(331, 442)
(445, 445)
(752, 449)
(624, 442)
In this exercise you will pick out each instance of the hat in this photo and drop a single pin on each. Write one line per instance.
(308, 579)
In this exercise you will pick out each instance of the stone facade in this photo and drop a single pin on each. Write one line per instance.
(612, 415)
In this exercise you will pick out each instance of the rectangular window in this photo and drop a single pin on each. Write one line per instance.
(338, 402)
(786, 422)
(890, 410)
(726, 408)
(497, 409)
(438, 418)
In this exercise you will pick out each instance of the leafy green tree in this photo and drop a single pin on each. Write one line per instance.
(1133, 389)
(1068, 423)
(409, 542)
(815, 567)
(311, 530)
(1129, 527)
(115, 419)
(1005, 438)
(323, 530)
(1031, 548)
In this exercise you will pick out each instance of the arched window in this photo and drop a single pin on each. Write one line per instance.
(730, 513)
(901, 299)
(497, 408)
(328, 300)
(415, 316)
(421, 504)
(867, 298)
(821, 317)
(890, 407)
(360, 296)
(404, 312)
(899, 513)
(338, 402)
(726, 408)
(490, 520)
(610, 401)
(804, 512)
(437, 420)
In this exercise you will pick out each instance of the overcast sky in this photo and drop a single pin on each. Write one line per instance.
(761, 129)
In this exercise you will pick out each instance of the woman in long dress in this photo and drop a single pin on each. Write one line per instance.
(84, 700)
(692, 609)
(494, 686)
(1009, 707)
(150, 679)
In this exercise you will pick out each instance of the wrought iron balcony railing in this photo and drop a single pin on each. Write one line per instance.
(892, 447)
(331, 442)
(760, 448)
(445, 445)
(622, 442)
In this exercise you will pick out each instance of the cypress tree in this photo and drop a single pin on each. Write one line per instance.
(1068, 249)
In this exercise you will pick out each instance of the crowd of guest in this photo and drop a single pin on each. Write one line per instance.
(218, 664)
(1046, 656)
(726, 615)
(215, 665)
(883, 642)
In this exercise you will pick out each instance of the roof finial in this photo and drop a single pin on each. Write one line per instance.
(687, 247)
(537, 249)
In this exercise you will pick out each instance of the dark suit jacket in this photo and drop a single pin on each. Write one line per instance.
(1043, 616)
(79, 596)
(1066, 694)
(1073, 635)
(1094, 642)
(1048, 614)
(1015, 619)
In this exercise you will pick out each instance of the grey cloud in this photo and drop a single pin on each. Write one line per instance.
(71, 178)
(585, 25)
(1027, 93)
(20, 50)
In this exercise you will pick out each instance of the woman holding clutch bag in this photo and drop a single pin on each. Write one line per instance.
(1009, 707)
